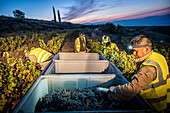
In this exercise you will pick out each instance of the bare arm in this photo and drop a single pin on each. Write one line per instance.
(75, 45)
(87, 49)
(32, 58)
(44, 64)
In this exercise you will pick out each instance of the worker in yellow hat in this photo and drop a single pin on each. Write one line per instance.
(40, 56)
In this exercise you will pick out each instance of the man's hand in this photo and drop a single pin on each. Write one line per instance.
(112, 88)
(106, 90)
(44, 64)
(87, 50)
(111, 92)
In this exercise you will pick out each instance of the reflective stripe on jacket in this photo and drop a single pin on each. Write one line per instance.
(78, 43)
(40, 54)
(168, 88)
(156, 92)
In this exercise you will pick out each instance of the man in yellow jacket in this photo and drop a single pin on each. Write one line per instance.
(112, 46)
(40, 56)
(80, 44)
(151, 81)
(105, 39)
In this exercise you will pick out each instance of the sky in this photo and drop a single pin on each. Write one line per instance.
(86, 11)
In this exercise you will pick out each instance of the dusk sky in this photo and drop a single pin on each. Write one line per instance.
(86, 11)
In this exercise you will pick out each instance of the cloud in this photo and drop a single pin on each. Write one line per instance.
(87, 7)
(156, 12)
(91, 11)
(85, 11)
(82, 7)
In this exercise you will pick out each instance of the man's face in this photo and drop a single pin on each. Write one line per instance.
(139, 52)
(104, 36)
(81, 36)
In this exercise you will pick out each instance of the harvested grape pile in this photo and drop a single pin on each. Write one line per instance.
(81, 100)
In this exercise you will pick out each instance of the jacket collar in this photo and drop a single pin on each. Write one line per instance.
(139, 60)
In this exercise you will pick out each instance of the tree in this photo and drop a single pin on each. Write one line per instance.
(59, 19)
(119, 29)
(19, 14)
(109, 28)
(54, 14)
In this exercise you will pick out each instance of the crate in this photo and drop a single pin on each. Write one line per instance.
(70, 71)
(78, 56)
(80, 66)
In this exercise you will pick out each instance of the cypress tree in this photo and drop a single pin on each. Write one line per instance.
(54, 14)
(59, 19)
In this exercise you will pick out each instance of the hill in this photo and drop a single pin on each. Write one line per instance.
(148, 21)
(162, 20)
(18, 26)
(10, 25)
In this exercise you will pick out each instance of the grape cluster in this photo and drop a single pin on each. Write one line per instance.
(94, 45)
(79, 100)
(54, 44)
(125, 63)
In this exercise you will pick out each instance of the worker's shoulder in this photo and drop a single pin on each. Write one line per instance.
(113, 43)
(77, 38)
(157, 56)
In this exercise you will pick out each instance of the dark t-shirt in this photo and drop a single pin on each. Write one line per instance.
(82, 45)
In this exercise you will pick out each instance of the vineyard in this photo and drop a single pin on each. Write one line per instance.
(17, 73)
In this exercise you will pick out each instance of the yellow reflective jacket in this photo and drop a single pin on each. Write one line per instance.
(156, 92)
(114, 46)
(40, 54)
(78, 43)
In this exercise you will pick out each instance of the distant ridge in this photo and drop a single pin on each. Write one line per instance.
(163, 20)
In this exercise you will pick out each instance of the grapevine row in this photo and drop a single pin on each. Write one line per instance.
(18, 74)
(125, 63)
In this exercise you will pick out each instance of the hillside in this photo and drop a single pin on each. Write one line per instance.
(19, 26)
(10, 25)
(14, 26)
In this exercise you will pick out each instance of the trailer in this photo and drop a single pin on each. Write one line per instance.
(71, 71)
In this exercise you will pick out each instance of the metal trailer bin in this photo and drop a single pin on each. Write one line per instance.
(78, 56)
(50, 79)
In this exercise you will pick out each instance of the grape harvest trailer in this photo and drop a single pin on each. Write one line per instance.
(75, 70)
